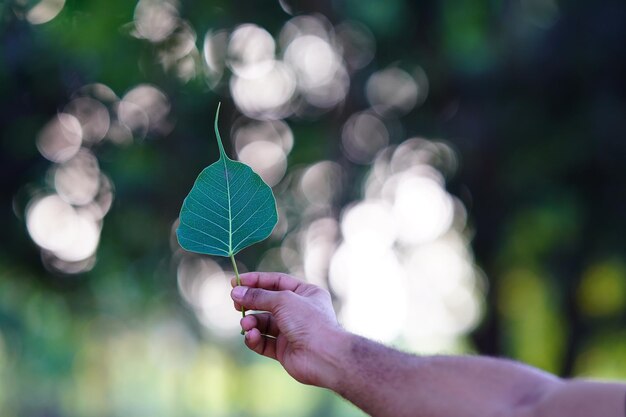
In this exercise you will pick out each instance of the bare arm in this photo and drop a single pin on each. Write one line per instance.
(305, 338)
(391, 383)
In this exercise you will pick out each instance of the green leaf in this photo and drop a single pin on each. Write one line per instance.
(228, 209)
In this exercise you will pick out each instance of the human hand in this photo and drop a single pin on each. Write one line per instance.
(299, 327)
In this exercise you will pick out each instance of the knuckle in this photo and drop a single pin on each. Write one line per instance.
(326, 293)
(319, 292)
(323, 291)
(252, 296)
(283, 297)
(279, 281)
(286, 297)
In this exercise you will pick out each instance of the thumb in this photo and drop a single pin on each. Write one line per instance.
(257, 298)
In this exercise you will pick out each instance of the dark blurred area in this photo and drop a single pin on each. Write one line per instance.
(453, 172)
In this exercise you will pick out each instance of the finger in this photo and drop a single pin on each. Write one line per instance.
(262, 345)
(265, 322)
(237, 306)
(273, 281)
(260, 299)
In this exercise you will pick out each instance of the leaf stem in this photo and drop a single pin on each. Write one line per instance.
(232, 259)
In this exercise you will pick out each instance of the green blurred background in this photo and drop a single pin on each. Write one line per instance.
(453, 172)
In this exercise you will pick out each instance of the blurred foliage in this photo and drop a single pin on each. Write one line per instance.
(530, 94)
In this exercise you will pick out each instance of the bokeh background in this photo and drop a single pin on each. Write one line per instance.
(452, 171)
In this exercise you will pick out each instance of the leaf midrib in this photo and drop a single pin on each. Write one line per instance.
(230, 215)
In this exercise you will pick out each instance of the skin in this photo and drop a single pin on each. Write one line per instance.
(299, 329)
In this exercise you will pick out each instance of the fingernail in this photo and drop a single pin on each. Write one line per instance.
(239, 292)
(246, 335)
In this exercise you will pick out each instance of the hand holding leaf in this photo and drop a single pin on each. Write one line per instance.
(228, 209)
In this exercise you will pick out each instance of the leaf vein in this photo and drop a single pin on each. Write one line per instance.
(246, 205)
(256, 230)
(211, 183)
(207, 207)
(207, 219)
(203, 244)
(203, 232)
(213, 200)
(243, 182)
(253, 213)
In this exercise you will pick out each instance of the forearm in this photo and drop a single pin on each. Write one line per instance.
(385, 382)
(579, 398)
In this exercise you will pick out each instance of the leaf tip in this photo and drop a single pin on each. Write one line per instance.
(217, 132)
